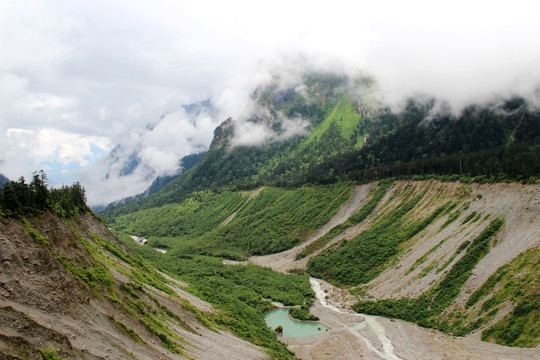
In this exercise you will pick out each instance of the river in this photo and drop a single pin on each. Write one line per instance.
(363, 321)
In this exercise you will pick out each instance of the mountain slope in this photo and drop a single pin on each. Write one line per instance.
(440, 253)
(343, 134)
(462, 249)
(69, 287)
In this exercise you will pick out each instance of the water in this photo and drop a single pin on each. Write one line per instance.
(292, 328)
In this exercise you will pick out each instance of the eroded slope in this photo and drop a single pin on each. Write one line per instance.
(69, 287)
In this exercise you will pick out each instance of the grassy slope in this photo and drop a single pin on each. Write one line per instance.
(274, 220)
(343, 116)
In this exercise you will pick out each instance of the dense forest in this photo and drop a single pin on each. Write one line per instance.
(20, 199)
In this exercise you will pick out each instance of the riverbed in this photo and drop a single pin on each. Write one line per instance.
(354, 336)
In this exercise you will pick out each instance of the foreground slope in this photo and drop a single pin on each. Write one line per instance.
(68, 287)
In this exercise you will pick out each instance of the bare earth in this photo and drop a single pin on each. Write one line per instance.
(355, 336)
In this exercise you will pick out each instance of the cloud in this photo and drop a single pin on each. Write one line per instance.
(154, 151)
(38, 149)
(107, 69)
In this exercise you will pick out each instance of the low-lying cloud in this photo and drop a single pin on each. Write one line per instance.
(99, 72)
(155, 151)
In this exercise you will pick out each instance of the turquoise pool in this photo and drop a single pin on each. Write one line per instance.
(292, 328)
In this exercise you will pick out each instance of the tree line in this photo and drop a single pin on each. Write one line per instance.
(19, 198)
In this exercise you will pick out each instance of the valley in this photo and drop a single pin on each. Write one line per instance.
(411, 233)
(423, 258)
(354, 336)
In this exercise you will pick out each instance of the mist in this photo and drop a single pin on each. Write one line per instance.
(78, 80)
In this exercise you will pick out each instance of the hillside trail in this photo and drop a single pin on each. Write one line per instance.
(285, 261)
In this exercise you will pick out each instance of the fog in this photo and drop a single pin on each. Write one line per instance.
(79, 79)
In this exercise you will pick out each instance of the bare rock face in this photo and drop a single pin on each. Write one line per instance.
(220, 134)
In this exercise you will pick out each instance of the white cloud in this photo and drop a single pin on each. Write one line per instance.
(107, 69)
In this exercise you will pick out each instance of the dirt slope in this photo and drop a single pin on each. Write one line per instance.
(43, 305)
(422, 261)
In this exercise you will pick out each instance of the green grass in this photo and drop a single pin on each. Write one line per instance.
(50, 353)
(362, 259)
(516, 282)
(274, 220)
(343, 115)
(426, 310)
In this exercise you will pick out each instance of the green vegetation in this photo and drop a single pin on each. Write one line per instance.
(512, 283)
(274, 220)
(354, 219)
(303, 314)
(242, 293)
(191, 218)
(426, 310)
(126, 330)
(519, 328)
(18, 199)
(343, 117)
(362, 259)
(50, 353)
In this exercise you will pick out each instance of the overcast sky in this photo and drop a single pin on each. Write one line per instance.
(78, 78)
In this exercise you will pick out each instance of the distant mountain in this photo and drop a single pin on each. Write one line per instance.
(3, 180)
(186, 163)
(124, 159)
(330, 127)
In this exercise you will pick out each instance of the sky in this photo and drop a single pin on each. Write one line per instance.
(85, 85)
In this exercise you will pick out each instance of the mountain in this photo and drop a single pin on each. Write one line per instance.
(331, 128)
(422, 215)
(186, 163)
(3, 180)
(405, 210)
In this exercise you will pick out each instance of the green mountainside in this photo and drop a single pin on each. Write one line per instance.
(352, 137)
(418, 214)
(241, 201)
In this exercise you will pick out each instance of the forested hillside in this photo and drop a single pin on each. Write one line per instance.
(351, 136)
(295, 202)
